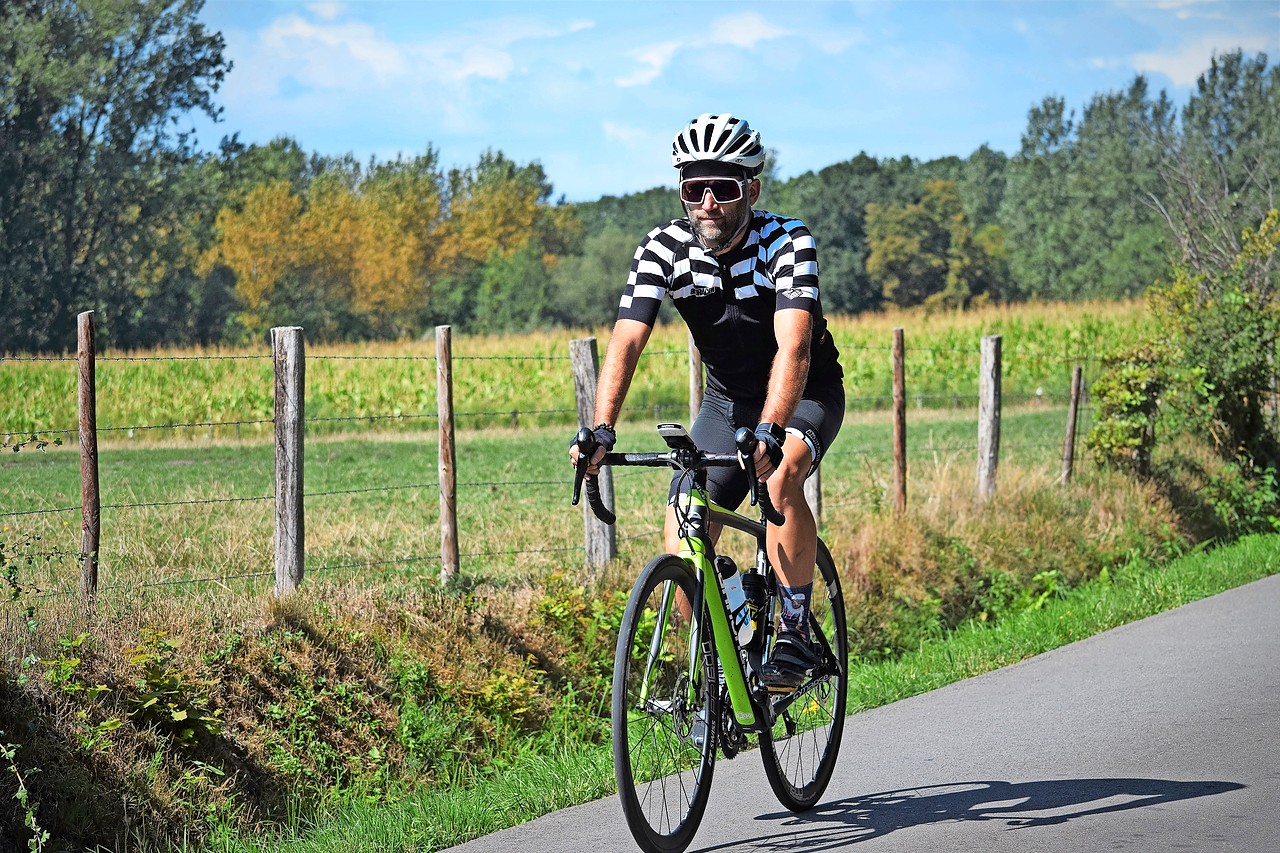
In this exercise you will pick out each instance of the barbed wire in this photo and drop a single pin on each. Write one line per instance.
(187, 425)
(21, 358)
(372, 563)
(51, 511)
(243, 357)
(400, 488)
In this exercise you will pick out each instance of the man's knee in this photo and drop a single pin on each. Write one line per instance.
(786, 486)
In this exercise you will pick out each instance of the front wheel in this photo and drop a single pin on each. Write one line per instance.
(799, 752)
(665, 709)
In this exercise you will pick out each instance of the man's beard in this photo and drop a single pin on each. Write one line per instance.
(715, 235)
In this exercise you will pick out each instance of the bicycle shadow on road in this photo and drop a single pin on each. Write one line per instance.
(1020, 805)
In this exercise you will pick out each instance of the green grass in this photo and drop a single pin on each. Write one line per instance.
(433, 820)
(372, 502)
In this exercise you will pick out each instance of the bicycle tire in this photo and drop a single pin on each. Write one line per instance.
(663, 774)
(800, 750)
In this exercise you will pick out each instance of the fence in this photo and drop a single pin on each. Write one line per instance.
(290, 425)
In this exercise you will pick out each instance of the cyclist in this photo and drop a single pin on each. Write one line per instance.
(746, 284)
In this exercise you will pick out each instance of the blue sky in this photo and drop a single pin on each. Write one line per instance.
(596, 90)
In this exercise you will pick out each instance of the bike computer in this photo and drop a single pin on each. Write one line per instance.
(676, 437)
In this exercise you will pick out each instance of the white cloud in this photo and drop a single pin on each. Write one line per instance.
(1185, 10)
(653, 60)
(744, 30)
(329, 56)
(481, 61)
(1186, 63)
(327, 11)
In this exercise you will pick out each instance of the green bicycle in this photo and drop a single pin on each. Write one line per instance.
(686, 677)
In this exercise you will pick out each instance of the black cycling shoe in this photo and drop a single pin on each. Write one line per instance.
(792, 659)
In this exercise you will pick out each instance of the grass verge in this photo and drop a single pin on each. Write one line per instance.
(435, 819)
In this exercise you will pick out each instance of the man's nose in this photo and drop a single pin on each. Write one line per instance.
(708, 200)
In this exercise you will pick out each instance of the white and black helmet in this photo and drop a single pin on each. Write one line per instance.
(720, 138)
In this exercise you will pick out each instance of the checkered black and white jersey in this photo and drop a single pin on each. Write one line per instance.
(729, 301)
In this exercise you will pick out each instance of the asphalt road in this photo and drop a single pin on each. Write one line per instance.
(1162, 735)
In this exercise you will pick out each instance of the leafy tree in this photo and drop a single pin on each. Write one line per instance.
(90, 92)
(400, 216)
(635, 214)
(1219, 169)
(257, 243)
(514, 290)
(982, 185)
(1113, 175)
(498, 209)
(1035, 198)
(586, 287)
(909, 245)
(926, 253)
(833, 204)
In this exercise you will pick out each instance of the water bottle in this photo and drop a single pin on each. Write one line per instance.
(735, 598)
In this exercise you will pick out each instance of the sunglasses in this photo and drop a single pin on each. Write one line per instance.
(723, 190)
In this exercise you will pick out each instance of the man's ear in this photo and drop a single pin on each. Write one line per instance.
(753, 191)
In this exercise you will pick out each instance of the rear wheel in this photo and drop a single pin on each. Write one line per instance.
(800, 750)
(664, 708)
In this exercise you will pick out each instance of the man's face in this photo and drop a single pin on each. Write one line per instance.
(715, 223)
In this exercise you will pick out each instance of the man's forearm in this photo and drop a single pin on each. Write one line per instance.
(620, 360)
(787, 379)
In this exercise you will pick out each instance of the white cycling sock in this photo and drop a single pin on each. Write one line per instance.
(795, 608)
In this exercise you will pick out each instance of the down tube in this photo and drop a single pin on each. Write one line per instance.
(694, 550)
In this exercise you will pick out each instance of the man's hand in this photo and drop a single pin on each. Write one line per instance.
(603, 438)
(768, 456)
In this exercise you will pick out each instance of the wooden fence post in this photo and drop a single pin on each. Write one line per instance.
(601, 540)
(290, 427)
(695, 380)
(988, 417)
(1073, 409)
(899, 422)
(90, 498)
(448, 460)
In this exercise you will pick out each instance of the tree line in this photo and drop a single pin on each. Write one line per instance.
(106, 204)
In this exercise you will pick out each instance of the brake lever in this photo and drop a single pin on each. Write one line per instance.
(586, 448)
(585, 442)
(745, 440)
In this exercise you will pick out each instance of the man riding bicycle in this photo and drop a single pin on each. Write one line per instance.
(746, 283)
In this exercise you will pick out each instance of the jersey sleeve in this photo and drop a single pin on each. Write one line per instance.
(647, 282)
(793, 263)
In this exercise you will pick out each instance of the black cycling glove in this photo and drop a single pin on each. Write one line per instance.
(602, 435)
(772, 436)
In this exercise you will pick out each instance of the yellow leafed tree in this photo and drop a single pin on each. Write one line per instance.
(257, 241)
(398, 219)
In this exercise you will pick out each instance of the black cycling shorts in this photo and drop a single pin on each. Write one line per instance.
(817, 420)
